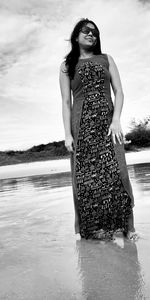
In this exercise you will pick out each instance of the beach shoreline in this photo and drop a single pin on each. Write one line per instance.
(60, 165)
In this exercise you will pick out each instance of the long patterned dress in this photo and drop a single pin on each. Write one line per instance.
(102, 192)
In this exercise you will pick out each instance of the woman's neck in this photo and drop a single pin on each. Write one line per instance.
(86, 54)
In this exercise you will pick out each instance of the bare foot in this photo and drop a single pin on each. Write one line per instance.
(132, 235)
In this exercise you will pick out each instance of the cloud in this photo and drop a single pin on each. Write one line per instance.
(26, 124)
(32, 41)
(124, 27)
(17, 39)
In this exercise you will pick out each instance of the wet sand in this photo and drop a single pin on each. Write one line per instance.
(41, 258)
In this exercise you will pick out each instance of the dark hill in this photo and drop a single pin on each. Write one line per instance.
(54, 150)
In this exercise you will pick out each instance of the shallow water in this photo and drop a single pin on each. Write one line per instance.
(41, 257)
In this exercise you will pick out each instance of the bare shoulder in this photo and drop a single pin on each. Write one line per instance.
(111, 60)
(63, 67)
(114, 73)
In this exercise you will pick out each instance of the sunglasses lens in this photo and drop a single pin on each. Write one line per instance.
(95, 32)
(87, 29)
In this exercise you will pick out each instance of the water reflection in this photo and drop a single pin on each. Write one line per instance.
(8, 185)
(142, 176)
(109, 271)
(42, 182)
(139, 175)
(52, 181)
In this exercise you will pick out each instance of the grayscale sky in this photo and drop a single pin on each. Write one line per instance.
(33, 44)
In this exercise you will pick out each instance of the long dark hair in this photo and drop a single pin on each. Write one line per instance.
(71, 58)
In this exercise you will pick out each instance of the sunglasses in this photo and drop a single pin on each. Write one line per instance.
(86, 30)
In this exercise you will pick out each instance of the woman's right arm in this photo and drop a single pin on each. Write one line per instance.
(66, 105)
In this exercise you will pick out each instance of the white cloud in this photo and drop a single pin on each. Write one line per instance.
(32, 40)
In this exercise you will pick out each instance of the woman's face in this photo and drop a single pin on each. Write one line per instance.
(87, 36)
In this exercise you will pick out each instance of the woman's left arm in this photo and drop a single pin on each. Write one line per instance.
(115, 126)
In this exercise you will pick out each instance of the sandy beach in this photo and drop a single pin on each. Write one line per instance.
(41, 258)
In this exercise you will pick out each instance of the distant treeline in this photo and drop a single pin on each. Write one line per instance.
(54, 150)
(137, 138)
(139, 135)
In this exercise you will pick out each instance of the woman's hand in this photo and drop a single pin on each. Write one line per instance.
(69, 143)
(115, 129)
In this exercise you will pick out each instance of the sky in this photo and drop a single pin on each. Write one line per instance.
(33, 43)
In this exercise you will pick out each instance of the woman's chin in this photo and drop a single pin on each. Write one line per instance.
(89, 46)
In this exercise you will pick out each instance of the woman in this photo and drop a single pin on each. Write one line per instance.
(102, 192)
